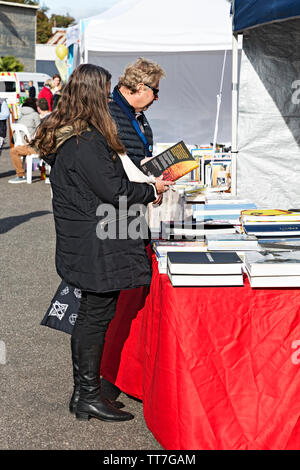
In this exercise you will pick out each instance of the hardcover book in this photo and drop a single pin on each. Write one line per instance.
(273, 264)
(231, 242)
(193, 229)
(180, 280)
(274, 281)
(204, 263)
(173, 163)
(269, 215)
(263, 230)
(163, 246)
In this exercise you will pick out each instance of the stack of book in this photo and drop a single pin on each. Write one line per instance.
(274, 269)
(231, 242)
(270, 222)
(225, 211)
(204, 269)
(162, 247)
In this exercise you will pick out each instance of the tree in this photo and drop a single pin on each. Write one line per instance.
(43, 26)
(61, 21)
(10, 63)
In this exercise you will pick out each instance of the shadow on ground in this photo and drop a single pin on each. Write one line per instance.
(8, 223)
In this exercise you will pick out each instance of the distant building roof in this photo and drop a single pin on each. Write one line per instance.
(20, 5)
(59, 37)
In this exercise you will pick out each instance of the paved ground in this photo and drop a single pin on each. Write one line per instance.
(36, 379)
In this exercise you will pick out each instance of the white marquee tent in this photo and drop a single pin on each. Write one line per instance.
(188, 39)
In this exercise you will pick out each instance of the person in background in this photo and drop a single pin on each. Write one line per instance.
(4, 115)
(40, 109)
(80, 142)
(136, 91)
(29, 116)
(43, 108)
(56, 90)
(31, 90)
(57, 85)
(47, 93)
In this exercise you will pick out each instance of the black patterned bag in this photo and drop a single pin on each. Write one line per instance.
(62, 312)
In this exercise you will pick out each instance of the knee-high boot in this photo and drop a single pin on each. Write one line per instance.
(91, 404)
(76, 389)
(75, 362)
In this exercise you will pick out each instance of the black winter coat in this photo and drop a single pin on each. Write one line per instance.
(127, 134)
(85, 176)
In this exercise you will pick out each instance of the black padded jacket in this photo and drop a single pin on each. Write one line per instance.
(86, 177)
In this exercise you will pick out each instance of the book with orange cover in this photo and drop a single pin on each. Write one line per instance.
(173, 163)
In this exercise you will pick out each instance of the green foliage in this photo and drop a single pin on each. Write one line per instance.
(61, 21)
(9, 63)
(43, 28)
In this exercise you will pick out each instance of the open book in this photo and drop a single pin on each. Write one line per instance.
(173, 163)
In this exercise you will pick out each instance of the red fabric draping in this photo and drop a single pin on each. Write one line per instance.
(216, 367)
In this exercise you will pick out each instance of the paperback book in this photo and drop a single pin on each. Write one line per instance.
(172, 163)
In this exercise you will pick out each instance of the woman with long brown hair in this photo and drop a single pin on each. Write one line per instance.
(79, 139)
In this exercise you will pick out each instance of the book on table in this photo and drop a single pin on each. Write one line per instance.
(264, 229)
(184, 280)
(269, 215)
(193, 229)
(237, 241)
(204, 263)
(274, 281)
(281, 263)
(161, 247)
(172, 163)
(219, 209)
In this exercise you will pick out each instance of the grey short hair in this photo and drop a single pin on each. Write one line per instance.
(142, 71)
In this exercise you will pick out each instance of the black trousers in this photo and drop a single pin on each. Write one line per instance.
(94, 316)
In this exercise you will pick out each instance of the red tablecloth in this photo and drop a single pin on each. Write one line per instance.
(216, 367)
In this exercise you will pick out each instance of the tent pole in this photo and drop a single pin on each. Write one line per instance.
(234, 126)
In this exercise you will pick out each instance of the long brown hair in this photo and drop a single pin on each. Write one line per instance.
(83, 101)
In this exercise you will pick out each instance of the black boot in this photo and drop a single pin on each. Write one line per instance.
(76, 390)
(91, 404)
(75, 361)
(109, 390)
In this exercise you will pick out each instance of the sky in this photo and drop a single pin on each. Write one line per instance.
(77, 8)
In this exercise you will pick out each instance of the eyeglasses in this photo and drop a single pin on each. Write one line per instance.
(155, 90)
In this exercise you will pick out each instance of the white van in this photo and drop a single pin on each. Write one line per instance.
(14, 87)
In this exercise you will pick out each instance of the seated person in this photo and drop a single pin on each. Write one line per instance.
(29, 116)
(17, 153)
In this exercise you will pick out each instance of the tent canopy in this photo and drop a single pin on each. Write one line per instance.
(188, 39)
(251, 13)
(161, 26)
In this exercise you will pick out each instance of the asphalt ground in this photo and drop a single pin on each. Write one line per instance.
(35, 361)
